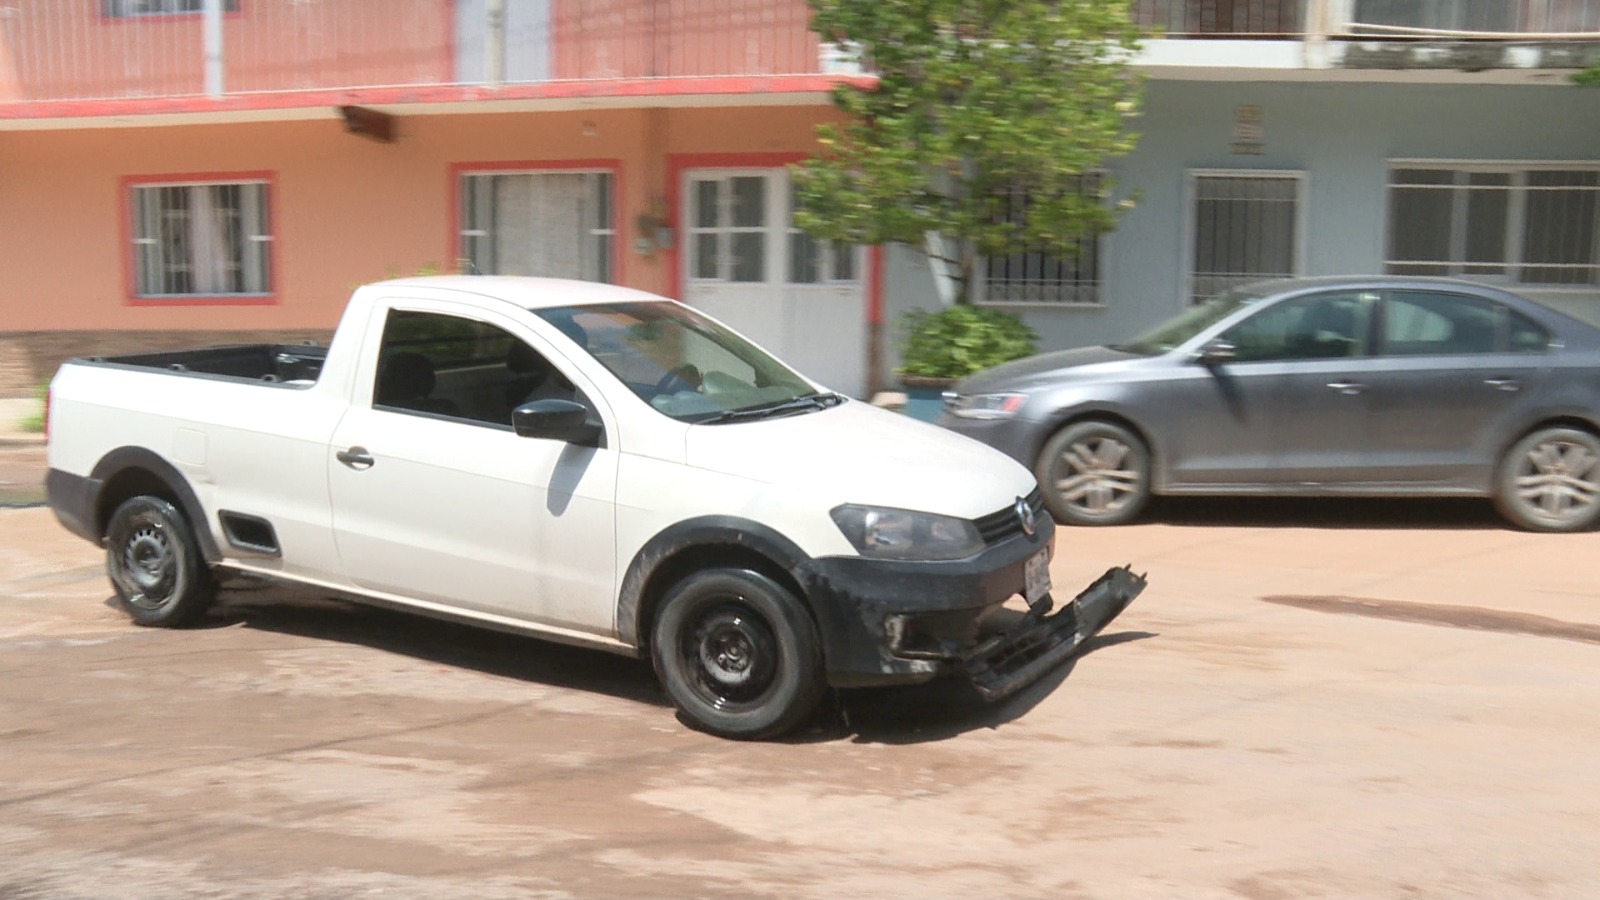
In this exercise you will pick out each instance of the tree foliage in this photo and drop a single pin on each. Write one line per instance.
(978, 104)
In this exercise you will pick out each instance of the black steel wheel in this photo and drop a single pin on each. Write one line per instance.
(155, 564)
(738, 654)
(1094, 473)
(1550, 481)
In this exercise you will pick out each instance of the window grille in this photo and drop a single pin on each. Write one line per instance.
(201, 239)
(1536, 226)
(1246, 227)
(551, 224)
(127, 9)
(1035, 276)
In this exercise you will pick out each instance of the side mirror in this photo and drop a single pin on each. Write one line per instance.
(1217, 353)
(557, 420)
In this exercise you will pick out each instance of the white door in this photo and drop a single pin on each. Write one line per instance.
(747, 265)
(436, 499)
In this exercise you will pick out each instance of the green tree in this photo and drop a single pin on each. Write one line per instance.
(983, 122)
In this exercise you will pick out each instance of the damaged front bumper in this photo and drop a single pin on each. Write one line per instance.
(1008, 662)
(902, 622)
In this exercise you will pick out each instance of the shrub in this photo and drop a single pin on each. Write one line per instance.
(35, 422)
(959, 340)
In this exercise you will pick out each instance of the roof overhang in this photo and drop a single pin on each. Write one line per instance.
(144, 112)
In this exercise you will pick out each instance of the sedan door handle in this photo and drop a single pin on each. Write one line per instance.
(1347, 387)
(1503, 384)
(356, 458)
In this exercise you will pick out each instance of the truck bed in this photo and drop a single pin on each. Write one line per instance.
(271, 363)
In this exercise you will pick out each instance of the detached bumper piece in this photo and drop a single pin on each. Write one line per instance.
(1008, 662)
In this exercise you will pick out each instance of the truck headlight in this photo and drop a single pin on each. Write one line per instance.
(883, 533)
(988, 406)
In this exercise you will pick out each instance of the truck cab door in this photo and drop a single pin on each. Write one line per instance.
(438, 502)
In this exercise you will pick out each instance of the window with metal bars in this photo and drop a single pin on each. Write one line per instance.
(1035, 276)
(1521, 225)
(202, 240)
(128, 9)
(551, 224)
(1246, 227)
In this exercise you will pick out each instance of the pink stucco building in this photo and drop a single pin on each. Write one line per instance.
(172, 175)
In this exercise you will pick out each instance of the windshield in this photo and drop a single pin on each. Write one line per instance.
(1180, 329)
(683, 364)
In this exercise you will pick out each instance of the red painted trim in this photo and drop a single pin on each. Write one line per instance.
(99, 16)
(220, 300)
(554, 91)
(611, 166)
(875, 284)
(130, 278)
(677, 165)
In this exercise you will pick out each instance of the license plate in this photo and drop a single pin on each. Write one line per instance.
(1036, 576)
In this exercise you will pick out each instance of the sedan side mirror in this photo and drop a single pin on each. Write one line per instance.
(1217, 353)
(557, 420)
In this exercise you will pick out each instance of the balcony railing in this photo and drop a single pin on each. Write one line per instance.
(1221, 18)
(1368, 19)
(55, 50)
(1458, 19)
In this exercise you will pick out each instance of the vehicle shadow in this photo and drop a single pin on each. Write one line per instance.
(948, 707)
(912, 714)
(1453, 513)
(289, 611)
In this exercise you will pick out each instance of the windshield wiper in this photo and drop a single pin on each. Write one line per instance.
(804, 403)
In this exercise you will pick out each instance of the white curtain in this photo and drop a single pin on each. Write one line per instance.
(208, 241)
(543, 226)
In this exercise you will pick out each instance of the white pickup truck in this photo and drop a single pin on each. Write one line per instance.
(580, 462)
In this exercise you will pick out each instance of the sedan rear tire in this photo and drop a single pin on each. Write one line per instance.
(1550, 481)
(1094, 473)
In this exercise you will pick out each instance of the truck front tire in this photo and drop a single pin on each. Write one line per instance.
(738, 654)
(155, 564)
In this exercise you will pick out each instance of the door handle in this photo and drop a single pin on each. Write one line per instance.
(356, 458)
(1503, 384)
(1347, 387)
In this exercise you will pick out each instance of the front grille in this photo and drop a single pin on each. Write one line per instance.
(1003, 524)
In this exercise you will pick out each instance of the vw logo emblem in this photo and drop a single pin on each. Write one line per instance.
(1025, 516)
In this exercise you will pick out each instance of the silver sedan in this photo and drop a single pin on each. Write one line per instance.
(1358, 386)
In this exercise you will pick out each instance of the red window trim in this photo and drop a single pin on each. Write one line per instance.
(613, 167)
(130, 264)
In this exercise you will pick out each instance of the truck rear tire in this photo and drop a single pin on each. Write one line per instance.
(738, 654)
(155, 564)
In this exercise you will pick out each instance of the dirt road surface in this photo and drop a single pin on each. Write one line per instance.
(1308, 702)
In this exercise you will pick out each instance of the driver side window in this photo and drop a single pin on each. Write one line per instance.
(461, 368)
(1321, 326)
